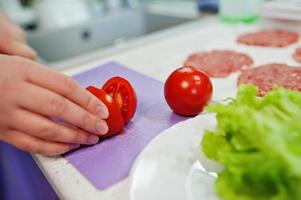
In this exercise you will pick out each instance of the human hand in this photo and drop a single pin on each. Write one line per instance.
(13, 39)
(32, 95)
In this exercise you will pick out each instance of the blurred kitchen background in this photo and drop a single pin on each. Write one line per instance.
(65, 30)
(66, 33)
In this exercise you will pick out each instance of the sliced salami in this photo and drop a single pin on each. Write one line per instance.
(269, 38)
(265, 77)
(297, 55)
(219, 63)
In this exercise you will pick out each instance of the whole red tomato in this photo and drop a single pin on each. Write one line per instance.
(115, 121)
(187, 90)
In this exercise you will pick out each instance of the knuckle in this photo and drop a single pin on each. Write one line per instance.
(71, 136)
(89, 101)
(25, 146)
(49, 132)
(79, 136)
(74, 137)
(86, 120)
(58, 105)
(68, 84)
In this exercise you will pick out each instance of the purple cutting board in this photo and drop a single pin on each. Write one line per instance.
(110, 161)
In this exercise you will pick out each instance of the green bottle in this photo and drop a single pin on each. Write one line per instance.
(234, 11)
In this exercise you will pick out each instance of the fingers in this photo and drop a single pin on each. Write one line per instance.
(32, 144)
(47, 103)
(17, 33)
(43, 128)
(23, 50)
(13, 39)
(19, 49)
(68, 88)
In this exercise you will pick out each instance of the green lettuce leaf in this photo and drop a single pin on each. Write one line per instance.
(258, 141)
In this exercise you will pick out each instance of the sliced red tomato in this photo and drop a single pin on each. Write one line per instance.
(124, 94)
(115, 121)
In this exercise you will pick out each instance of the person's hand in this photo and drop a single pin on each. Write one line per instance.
(32, 95)
(13, 39)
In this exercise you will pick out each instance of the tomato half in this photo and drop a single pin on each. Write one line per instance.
(124, 94)
(187, 90)
(115, 120)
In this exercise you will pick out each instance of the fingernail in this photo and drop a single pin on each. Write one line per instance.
(92, 139)
(74, 146)
(102, 112)
(101, 128)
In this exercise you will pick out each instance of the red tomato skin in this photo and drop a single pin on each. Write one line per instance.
(127, 100)
(115, 120)
(187, 91)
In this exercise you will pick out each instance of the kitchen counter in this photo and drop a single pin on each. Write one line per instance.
(156, 56)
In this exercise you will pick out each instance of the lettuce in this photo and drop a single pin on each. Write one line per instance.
(258, 141)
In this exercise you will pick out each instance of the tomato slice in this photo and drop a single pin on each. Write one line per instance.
(115, 121)
(123, 93)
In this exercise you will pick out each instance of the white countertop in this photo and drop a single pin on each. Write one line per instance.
(157, 57)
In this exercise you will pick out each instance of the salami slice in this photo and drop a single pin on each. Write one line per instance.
(269, 38)
(265, 77)
(297, 55)
(219, 63)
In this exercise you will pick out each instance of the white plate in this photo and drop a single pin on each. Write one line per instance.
(173, 167)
